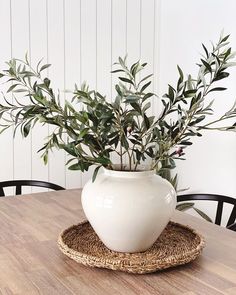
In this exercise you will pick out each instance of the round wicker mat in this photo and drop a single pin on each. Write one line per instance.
(178, 244)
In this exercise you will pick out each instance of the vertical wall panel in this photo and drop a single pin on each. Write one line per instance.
(119, 34)
(157, 106)
(147, 39)
(89, 52)
(38, 50)
(119, 43)
(72, 67)
(104, 49)
(104, 60)
(56, 73)
(147, 34)
(134, 13)
(20, 46)
(6, 139)
(89, 42)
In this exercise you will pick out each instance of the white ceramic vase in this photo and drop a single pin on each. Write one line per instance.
(128, 210)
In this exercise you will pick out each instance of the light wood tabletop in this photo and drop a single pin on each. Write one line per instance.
(31, 263)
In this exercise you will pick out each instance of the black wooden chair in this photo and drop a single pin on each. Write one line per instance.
(20, 183)
(232, 226)
(220, 200)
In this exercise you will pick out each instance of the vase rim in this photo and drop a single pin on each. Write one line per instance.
(142, 172)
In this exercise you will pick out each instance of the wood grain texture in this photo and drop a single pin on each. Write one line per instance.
(31, 263)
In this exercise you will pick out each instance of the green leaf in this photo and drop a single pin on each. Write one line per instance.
(132, 98)
(3, 129)
(44, 67)
(121, 61)
(117, 102)
(20, 90)
(146, 121)
(27, 74)
(180, 73)
(186, 143)
(145, 78)
(74, 167)
(202, 214)
(103, 160)
(197, 120)
(217, 89)
(126, 80)
(70, 149)
(47, 82)
(172, 163)
(225, 39)
(45, 158)
(117, 71)
(190, 93)
(171, 93)
(206, 65)
(148, 95)
(184, 206)
(227, 53)
(174, 181)
(221, 76)
(124, 142)
(206, 51)
(114, 141)
(83, 133)
(136, 107)
(146, 107)
(134, 68)
(12, 87)
(145, 86)
(95, 173)
(26, 129)
(117, 87)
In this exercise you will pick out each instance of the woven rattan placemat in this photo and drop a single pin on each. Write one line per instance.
(178, 244)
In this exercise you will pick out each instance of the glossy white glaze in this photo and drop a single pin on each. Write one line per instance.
(128, 210)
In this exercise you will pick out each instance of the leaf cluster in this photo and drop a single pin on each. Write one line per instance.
(91, 128)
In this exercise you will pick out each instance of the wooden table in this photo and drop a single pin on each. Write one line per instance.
(30, 262)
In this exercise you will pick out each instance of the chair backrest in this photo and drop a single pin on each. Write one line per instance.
(212, 197)
(232, 227)
(19, 183)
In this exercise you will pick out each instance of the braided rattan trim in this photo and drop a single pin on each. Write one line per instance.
(178, 244)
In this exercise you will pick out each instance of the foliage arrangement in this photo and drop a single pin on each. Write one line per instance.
(91, 128)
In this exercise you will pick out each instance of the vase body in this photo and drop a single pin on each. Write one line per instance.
(128, 210)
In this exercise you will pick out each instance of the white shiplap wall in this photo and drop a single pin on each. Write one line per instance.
(82, 38)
